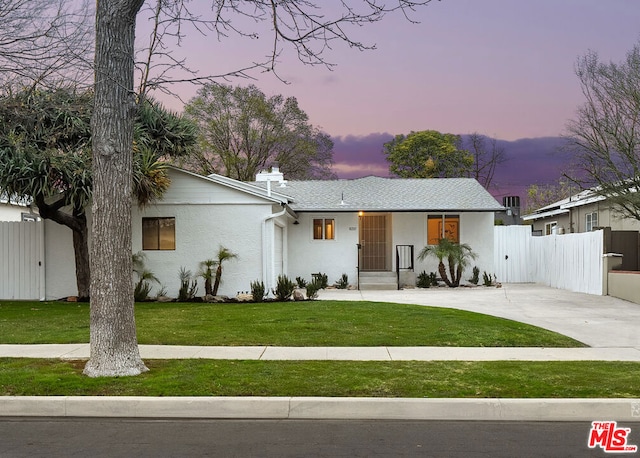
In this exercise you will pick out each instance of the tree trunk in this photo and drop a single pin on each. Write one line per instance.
(114, 346)
(216, 284)
(81, 253)
(443, 273)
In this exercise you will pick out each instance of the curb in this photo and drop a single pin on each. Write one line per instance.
(319, 408)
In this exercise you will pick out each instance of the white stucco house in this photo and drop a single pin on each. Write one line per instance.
(360, 227)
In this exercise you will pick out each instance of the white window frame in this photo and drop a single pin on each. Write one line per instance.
(324, 225)
(591, 221)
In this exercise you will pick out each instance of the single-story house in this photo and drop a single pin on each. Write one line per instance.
(362, 227)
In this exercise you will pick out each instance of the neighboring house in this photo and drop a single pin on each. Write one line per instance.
(581, 212)
(297, 228)
(585, 212)
(12, 210)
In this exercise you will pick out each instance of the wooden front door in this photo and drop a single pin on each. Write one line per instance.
(373, 242)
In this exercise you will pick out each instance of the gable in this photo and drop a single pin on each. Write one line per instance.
(189, 188)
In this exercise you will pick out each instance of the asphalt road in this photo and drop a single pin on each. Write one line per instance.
(97, 437)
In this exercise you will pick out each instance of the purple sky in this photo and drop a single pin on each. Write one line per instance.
(503, 68)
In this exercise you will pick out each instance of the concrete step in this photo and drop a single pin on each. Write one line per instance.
(378, 281)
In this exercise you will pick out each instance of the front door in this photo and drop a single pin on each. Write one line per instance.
(373, 242)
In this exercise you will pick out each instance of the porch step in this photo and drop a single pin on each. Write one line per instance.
(378, 281)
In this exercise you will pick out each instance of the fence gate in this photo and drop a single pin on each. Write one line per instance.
(22, 260)
(570, 261)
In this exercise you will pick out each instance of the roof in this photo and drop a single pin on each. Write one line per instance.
(387, 194)
(586, 197)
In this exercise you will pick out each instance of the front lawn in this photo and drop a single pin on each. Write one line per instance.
(448, 379)
(314, 323)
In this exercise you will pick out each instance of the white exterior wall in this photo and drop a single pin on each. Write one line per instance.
(476, 230)
(331, 257)
(12, 212)
(208, 216)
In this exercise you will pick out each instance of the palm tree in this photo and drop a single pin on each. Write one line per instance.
(457, 255)
(224, 254)
(206, 272)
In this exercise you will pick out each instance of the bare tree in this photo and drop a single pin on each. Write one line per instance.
(300, 23)
(605, 136)
(45, 40)
(487, 156)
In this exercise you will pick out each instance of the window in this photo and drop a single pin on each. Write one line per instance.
(592, 221)
(443, 227)
(158, 233)
(324, 229)
(550, 228)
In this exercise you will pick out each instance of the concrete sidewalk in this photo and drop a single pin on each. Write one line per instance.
(267, 353)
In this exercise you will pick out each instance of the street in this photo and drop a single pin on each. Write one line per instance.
(98, 437)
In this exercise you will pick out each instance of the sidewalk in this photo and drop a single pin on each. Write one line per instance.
(267, 353)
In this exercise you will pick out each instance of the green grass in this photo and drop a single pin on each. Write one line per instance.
(505, 379)
(316, 323)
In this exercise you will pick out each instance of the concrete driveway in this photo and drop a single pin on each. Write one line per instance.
(598, 321)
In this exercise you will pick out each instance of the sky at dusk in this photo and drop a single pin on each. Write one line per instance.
(503, 68)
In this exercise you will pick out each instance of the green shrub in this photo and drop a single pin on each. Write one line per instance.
(257, 290)
(323, 280)
(188, 288)
(284, 288)
(475, 278)
(423, 280)
(302, 283)
(343, 282)
(488, 279)
(312, 290)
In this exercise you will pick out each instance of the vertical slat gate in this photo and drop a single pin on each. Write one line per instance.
(22, 260)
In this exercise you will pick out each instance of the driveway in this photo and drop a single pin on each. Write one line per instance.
(598, 321)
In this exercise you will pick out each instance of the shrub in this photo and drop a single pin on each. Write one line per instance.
(488, 279)
(188, 288)
(312, 290)
(475, 278)
(145, 276)
(343, 282)
(322, 279)
(423, 280)
(284, 288)
(257, 290)
(302, 283)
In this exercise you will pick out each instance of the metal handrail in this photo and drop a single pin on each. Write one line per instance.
(404, 260)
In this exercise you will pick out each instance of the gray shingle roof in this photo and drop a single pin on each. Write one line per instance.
(387, 194)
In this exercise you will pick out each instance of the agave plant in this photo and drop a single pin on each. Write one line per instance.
(457, 256)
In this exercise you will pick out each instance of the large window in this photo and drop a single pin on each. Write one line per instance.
(324, 229)
(592, 221)
(158, 233)
(443, 227)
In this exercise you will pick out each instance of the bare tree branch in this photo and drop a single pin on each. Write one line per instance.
(45, 40)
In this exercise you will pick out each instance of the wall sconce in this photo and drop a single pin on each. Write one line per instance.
(296, 222)
(360, 213)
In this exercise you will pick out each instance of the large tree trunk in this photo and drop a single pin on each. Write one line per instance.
(114, 346)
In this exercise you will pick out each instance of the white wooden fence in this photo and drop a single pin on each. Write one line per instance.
(570, 261)
(22, 271)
